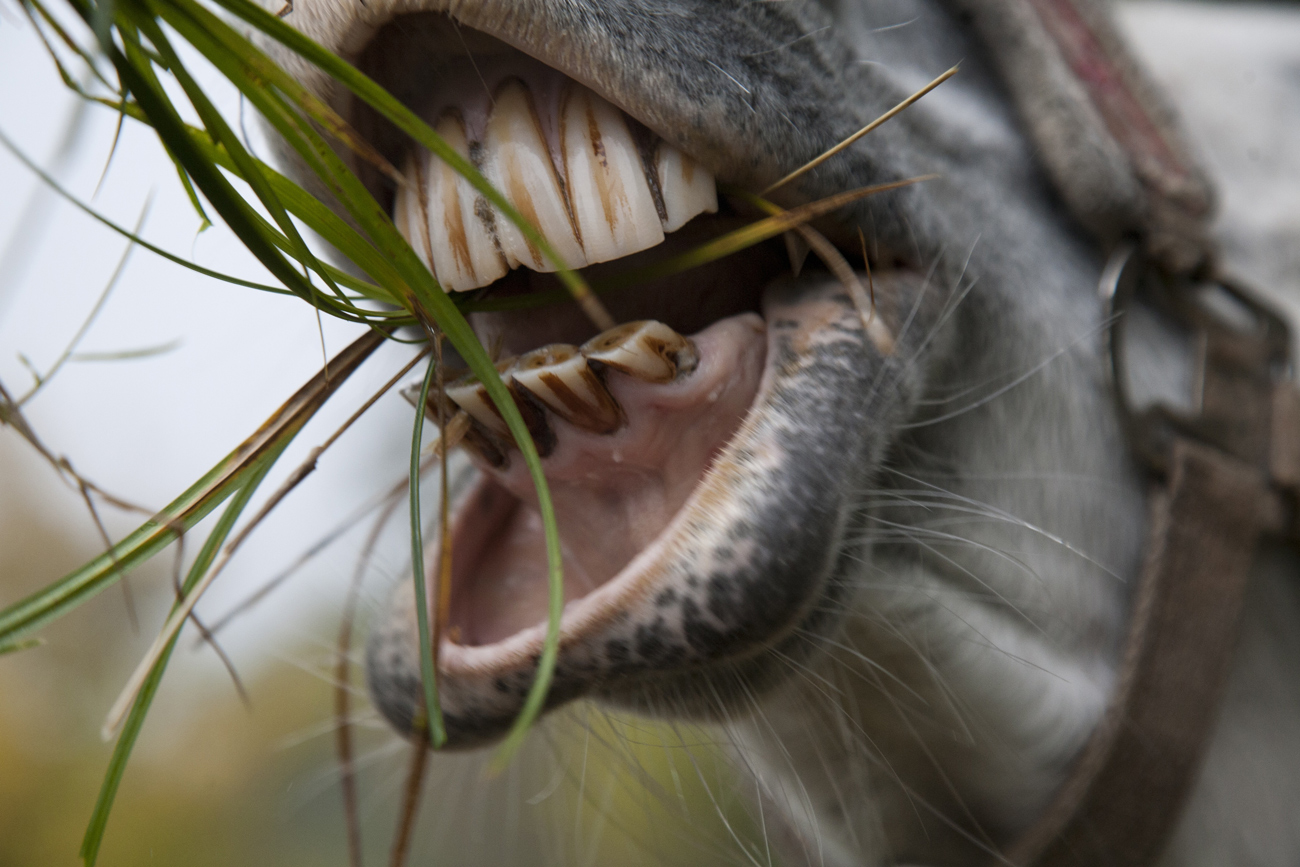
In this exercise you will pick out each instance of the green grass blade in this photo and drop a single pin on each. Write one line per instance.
(9, 145)
(20, 645)
(217, 127)
(94, 836)
(66, 38)
(301, 204)
(225, 200)
(428, 674)
(190, 507)
(402, 117)
(205, 222)
(315, 152)
(324, 222)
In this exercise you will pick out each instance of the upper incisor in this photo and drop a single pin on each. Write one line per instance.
(586, 191)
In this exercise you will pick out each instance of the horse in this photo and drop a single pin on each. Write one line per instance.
(873, 514)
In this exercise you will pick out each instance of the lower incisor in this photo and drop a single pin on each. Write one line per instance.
(561, 378)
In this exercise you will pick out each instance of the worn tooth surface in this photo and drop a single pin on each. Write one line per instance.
(577, 173)
(489, 447)
(411, 392)
(518, 163)
(560, 378)
(443, 226)
(470, 395)
(608, 192)
(688, 188)
(647, 350)
(461, 429)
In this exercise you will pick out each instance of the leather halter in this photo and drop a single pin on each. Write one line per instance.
(1224, 474)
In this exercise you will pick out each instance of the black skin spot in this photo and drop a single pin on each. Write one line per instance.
(722, 596)
(741, 530)
(671, 656)
(616, 650)
(501, 686)
(666, 597)
(652, 642)
(703, 638)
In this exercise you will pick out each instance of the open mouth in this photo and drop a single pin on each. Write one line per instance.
(628, 421)
(660, 438)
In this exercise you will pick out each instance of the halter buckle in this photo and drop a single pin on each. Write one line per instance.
(1233, 388)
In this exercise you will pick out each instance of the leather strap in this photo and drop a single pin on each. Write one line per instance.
(1128, 787)
(1109, 141)
(1224, 474)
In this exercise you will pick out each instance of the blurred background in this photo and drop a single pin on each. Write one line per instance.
(177, 368)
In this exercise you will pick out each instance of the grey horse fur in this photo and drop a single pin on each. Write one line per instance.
(993, 522)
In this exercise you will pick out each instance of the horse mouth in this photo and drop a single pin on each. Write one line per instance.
(629, 421)
(649, 432)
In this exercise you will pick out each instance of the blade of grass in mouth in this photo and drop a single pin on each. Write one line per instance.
(720, 247)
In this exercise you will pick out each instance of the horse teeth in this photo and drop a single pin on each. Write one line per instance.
(647, 350)
(568, 164)
(443, 224)
(518, 163)
(487, 446)
(471, 396)
(687, 188)
(560, 378)
(614, 209)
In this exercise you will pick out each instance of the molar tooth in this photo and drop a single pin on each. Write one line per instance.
(461, 429)
(611, 201)
(489, 448)
(470, 395)
(647, 350)
(519, 164)
(688, 188)
(560, 378)
(445, 225)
